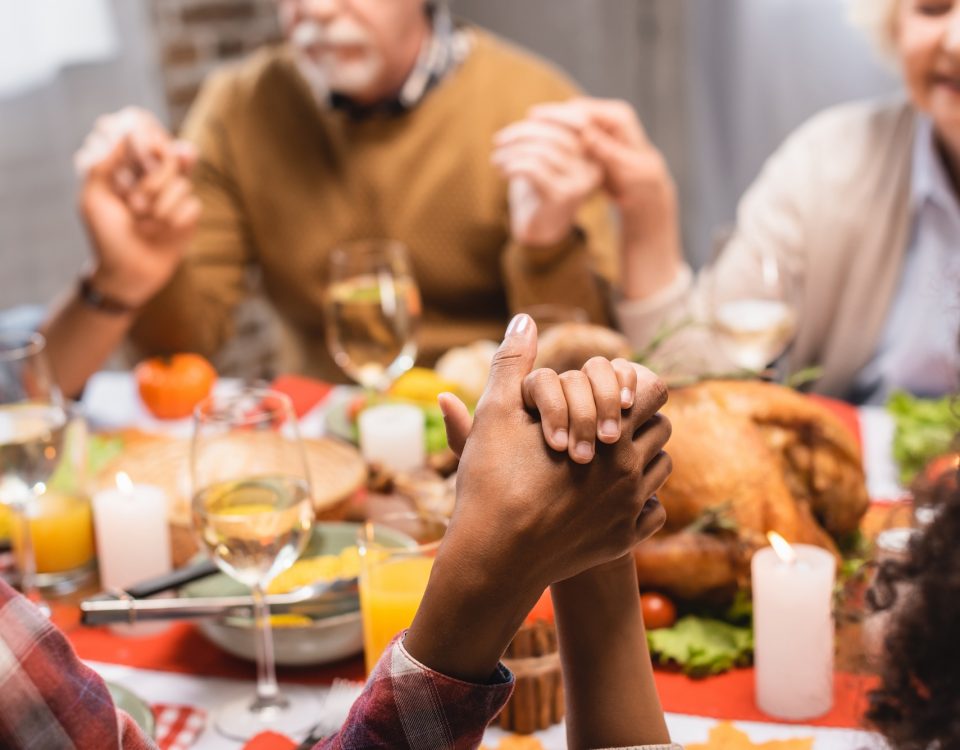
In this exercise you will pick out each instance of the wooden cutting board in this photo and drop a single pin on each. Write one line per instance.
(337, 471)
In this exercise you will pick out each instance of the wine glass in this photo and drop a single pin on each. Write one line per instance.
(751, 309)
(253, 513)
(372, 311)
(33, 421)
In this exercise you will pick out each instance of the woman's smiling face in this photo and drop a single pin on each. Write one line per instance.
(928, 44)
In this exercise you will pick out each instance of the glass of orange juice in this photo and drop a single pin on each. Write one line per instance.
(392, 578)
(60, 517)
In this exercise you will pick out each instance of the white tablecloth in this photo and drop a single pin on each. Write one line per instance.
(208, 693)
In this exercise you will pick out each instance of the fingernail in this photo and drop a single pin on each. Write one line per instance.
(626, 397)
(609, 428)
(583, 450)
(518, 326)
(561, 439)
(442, 403)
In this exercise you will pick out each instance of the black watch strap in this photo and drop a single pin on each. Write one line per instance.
(92, 297)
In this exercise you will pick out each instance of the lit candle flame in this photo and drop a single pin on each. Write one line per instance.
(124, 483)
(782, 547)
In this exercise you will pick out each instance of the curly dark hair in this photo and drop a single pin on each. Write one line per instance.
(917, 706)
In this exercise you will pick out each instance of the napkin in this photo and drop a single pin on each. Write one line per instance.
(305, 393)
(178, 727)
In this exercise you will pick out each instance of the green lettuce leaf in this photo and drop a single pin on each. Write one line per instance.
(925, 429)
(701, 646)
(100, 451)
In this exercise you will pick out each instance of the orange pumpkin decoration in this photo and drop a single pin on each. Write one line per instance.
(171, 387)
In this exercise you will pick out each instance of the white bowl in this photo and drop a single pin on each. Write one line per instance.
(325, 640)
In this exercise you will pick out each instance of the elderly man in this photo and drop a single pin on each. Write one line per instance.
(376, 119)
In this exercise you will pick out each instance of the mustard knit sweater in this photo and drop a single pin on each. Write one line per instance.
(283, 181)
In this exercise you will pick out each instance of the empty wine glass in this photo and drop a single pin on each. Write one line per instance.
(253, 513)
(33, 421)
(751, 308)
(372, 311)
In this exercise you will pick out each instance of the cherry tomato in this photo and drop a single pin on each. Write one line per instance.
(658, 611)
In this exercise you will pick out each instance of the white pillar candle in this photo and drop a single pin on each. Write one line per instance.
(133, 538)
(393, 435)
(793, 631)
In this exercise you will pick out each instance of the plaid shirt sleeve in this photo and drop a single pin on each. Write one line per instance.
(50, 698)
(408, 705)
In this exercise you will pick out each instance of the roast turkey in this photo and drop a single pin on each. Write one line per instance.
(749, 457)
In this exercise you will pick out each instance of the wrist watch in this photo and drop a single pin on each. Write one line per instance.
(95, 299)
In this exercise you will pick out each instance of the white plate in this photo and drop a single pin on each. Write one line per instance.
(135, 706)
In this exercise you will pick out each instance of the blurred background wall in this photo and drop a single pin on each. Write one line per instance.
(718, 84)
(44, 120)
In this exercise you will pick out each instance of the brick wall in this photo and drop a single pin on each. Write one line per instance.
(195, 36)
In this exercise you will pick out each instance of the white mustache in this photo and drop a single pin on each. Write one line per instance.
(308, 34)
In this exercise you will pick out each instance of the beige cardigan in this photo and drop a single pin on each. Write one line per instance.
(833, 204)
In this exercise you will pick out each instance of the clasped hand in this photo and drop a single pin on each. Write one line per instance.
(561, 153)
(525, 505)
(137, 203)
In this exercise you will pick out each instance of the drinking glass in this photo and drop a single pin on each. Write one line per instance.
(372, 311)
(61, 517)
(252, 511)
(393, 579)
(33, 421)
(751, 310)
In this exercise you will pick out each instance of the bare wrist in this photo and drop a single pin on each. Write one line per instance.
(621, 570)
(650, 262)
(467, 618)
(487, 565)
(650, 209)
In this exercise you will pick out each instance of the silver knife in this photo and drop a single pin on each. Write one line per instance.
(317, 601)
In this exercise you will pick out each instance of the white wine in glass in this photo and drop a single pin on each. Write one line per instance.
(33, 422)
(754, 332)
(751, 311)
(253, 514)
(372, 312)
(255, 528)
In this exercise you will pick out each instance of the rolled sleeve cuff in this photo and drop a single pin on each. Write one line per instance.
(640, 319)
(501, 678)
(416, 707)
